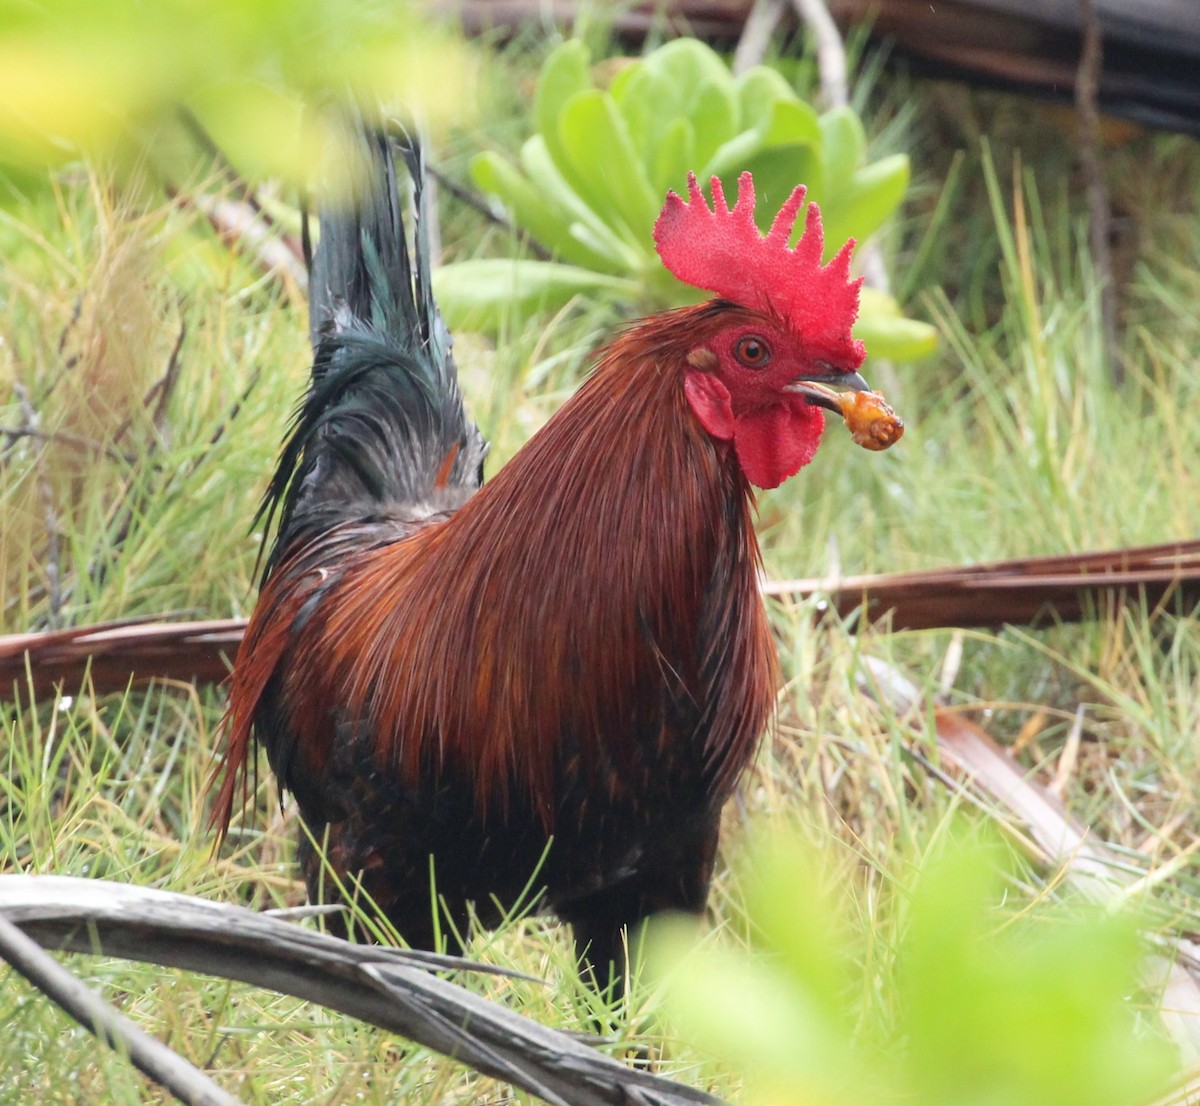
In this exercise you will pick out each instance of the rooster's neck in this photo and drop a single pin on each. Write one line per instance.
(596, 602)
(621, 537)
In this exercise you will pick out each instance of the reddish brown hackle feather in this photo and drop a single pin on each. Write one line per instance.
(262, 647)
(444, 654)
(263, 655)
(722, 251)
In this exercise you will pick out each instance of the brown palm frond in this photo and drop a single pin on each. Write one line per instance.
(1027, 592)
(113, 654)
(1030, 591)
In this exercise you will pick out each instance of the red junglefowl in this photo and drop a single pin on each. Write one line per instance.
(562, 671)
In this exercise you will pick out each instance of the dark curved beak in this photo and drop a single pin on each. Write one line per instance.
(822, 390)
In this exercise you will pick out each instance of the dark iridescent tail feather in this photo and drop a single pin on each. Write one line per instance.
(382, 430)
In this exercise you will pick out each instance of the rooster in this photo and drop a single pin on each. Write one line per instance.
(554, 679)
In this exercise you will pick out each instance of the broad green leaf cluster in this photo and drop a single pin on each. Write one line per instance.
(946, 999)
(592, 178)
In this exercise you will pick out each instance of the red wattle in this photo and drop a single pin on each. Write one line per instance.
(776, 442)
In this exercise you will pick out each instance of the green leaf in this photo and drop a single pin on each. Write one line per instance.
(483, 294)
(1034, 1012)
(603, 160)
(611, 178)
(713, 118)
(858, 207)
(100, 77)
(536, 212)
(633, 91)
(782, 152)
(776, 172)
(759, 89)
(896, 339)
(688, 65)
(792, 121)
(843, 142)
(936, 993)
(755, 1016)
(564, 74)
(586, 225)
(674, 158)
(887, 333)
(685, 79)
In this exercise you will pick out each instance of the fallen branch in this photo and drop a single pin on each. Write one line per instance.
(111, 655)
(389, 988)
(1029, 592)
(154, 1059)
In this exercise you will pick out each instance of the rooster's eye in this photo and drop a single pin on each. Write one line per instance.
(752, 352)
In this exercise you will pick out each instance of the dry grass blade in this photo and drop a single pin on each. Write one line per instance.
(154, 1059)
(389, 988)
(1027, 591)
(1065, 842)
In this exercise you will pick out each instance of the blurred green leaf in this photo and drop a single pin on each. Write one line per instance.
(896, 339)
(858, 207)
(486, 293)
(603, 160)
(843, 142)
(887, 333)
(598, 148)
(1029, 1010)
(94, 78)
(979, 1004)
(585, 224)
(676, 149)
(759, 89)
(535, 210)
(564, 74)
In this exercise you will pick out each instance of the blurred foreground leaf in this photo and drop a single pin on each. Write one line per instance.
(104, 77)
(947, 998)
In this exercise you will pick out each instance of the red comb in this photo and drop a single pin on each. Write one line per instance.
(722, 251)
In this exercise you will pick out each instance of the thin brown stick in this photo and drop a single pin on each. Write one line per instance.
(224, 167)
(63, 437)
(476, 203)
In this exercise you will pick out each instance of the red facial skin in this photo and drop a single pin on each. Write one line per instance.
(738, 389)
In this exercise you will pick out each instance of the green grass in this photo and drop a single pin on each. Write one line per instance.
(1016, 444)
